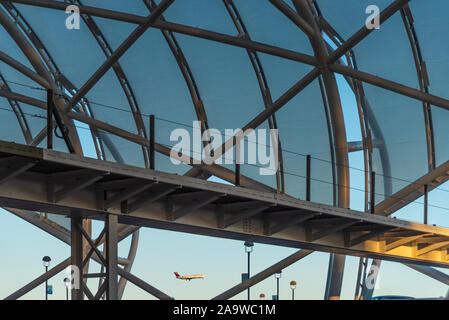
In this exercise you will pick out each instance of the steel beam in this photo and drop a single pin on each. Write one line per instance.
(15, 169)
(204, 220)
(329, 230)
(414, 190)
(22, 98)
(370, 235)
(268, 112)
(24, 70)
(295, 18)
(33, 284)
(143, 285)
(40, 69)
(48, 60)
(336, 267)
(402, 242)
(288, 223)
(228, 220)
(77, 254)
(111, 257)
(44, 224)
(391, 86)
(213, 169)
(263, 85)
(144, 200)
(197, 203)
(63, 234)
(115, 56)
(263, 275)
(423, 79)
(126, 194)
(432, 247)
(183, 29)
(18, 111)
(431, 272)
(119, 73)
(367, 291)
(184, 67)
(79, 185)
(131, 256)
(94, 248)
(364, 31)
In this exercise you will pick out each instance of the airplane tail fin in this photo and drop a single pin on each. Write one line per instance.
(177, 275)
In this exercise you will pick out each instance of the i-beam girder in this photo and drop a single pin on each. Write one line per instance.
(30, 189)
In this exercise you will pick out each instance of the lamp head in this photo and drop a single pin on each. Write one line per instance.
(46, 260)
(249, 245)
(293, 284)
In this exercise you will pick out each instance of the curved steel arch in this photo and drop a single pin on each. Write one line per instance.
(17, 109)
(423, 79)
(366, 116)
(58, 76)
(184, 67)
(60, 79)
(336, 262)
(262, 81)
(96, 32)
(39, 66)
(357, 88)
(85, 106)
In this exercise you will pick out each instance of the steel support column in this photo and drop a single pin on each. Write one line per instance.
(370, 281)
(111, 258)
(76, 242)
(336, 262)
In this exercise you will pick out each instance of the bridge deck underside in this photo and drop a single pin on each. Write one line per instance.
(50, 181)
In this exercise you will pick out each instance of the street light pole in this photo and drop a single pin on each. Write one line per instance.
(66, 282)
(46, 260)
(248, 249)
(278, 277)
(293, 287)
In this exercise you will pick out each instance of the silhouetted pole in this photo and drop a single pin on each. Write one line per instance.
(278, 277)
(293, 287)
(46, 260)
(248, 249)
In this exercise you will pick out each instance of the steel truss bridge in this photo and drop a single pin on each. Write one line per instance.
(36, 180)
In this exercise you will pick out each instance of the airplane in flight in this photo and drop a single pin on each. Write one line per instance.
(189, 277)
